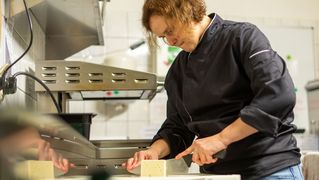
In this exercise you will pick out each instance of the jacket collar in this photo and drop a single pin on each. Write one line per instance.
(209, 33)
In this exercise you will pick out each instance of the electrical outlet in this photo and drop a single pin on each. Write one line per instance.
(2, 69)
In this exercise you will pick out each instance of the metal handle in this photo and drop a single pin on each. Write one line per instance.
(220, 155)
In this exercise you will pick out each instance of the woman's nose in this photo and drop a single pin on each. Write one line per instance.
(172, 41)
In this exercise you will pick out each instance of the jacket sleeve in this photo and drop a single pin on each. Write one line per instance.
(273, 89)
(174, 131)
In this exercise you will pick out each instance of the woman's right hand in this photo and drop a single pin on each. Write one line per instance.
(135, 161)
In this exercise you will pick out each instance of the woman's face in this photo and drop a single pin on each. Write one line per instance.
(174, 33)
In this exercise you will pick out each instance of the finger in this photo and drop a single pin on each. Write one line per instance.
(184, 153)
(124, 165)
(209, 159)
(196, 159)
(141, 157)
(66, 165)
(55, 158)
(136, 159)
(214, 159)
(129, 163)
(202, 158)
(61, 162)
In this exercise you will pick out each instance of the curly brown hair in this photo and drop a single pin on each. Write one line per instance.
(183, 11)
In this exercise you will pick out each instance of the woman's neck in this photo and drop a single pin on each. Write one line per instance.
(203, 25)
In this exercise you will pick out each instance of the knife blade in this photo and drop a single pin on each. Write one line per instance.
(179, 166)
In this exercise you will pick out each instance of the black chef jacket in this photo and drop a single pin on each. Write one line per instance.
(233, 72)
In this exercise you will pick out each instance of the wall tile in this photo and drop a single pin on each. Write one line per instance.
(136, 129)
(158, 108)
(76, 106)
(116, 24)
(116, 130)
(134, 21)
(114, 44)
(139, 110)
(98, 129)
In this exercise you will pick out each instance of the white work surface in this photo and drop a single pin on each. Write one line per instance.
(180, 177)
(171, 177)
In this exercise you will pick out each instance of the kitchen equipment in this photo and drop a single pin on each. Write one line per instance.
(77, 80)
(89, 81)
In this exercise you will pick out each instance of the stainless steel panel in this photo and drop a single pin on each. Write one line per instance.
(120, 149)
(93, 81)
(141, 143)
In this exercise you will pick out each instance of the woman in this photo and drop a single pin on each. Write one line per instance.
(227, 88)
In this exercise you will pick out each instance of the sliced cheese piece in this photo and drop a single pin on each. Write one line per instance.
(33, 169)
(152, 168)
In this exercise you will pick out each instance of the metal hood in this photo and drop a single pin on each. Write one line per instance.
(69, 25)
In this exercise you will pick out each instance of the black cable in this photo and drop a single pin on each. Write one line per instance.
(3, 78)
(45, 87)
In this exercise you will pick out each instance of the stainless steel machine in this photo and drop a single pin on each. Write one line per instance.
(89, 156)
(68, 30)
(76, 80)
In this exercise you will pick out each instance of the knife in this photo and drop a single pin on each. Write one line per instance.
(188, 158)
(179, 166)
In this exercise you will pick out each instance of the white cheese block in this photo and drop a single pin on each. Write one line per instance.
(152, 168)
(33, 169)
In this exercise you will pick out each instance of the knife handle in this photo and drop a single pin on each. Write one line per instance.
(220, 155)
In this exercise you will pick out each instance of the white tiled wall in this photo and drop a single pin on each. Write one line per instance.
(25, 96)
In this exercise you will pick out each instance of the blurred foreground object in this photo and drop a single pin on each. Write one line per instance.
(34, 170)
(20, 141)
(310, 165)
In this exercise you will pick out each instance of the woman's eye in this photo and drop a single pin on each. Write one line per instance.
(169, 32)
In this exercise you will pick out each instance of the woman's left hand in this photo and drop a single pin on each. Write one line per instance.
(203, 150)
